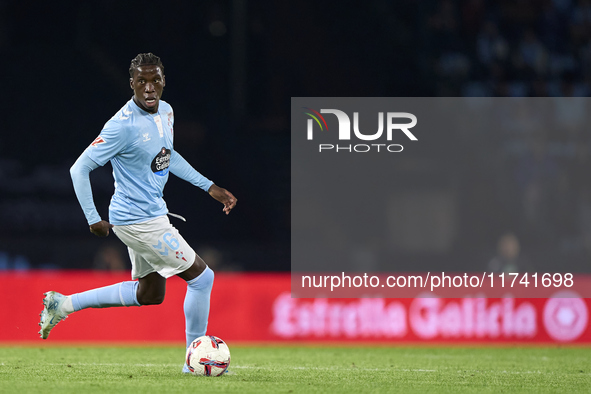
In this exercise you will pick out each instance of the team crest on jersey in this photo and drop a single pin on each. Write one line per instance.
(179, 255)
(161, 162)
(98, 140)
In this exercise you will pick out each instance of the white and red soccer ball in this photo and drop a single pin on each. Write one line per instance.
(208, 356)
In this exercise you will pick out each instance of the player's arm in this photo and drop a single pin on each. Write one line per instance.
(80, 173)
(223, 196)
(181, 168)
(111, 141)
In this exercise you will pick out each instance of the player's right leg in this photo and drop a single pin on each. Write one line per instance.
(53, 313)
(148, 290)
(146, 251)
(57, 306)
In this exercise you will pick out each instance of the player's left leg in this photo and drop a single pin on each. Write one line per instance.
(199, 279)
(157, 246)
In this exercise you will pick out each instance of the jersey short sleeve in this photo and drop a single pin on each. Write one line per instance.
(111, 141)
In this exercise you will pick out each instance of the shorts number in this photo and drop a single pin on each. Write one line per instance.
(171, 241)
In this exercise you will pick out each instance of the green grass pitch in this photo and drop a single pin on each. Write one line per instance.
(292, 369)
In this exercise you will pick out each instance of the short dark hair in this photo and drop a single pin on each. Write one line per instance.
(145, 59)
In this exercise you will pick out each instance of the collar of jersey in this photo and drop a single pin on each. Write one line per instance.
(143, 111)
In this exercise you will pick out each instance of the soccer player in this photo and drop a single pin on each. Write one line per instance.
(138, 141)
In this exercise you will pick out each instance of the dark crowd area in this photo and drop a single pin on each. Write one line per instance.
(231, 68)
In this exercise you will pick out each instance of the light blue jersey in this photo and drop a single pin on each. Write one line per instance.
(140, 147)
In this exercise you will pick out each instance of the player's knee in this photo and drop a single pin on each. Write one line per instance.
(150, 299)
(206, 278)
(199, 263)
(210, 276)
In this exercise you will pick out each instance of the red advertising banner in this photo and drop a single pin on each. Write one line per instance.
(259, 307)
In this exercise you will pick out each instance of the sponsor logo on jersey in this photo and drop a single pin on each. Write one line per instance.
(146, 137)
(161, 162)
(98, 140)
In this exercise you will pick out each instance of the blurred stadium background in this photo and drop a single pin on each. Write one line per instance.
(231, 68)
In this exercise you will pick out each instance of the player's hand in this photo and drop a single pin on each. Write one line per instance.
(101, 229)
(223, 196)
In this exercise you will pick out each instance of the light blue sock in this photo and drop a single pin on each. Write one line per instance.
(119, 294)
(197, 305)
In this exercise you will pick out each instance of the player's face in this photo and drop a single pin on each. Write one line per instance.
(147, 84)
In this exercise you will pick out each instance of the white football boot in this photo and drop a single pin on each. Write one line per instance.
(52, 312)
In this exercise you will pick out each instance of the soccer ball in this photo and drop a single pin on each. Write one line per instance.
(208, 356)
